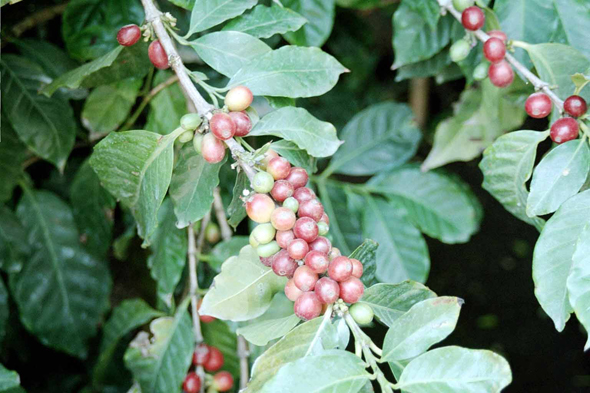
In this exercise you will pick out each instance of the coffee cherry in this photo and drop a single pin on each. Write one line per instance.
(186, 136)
(473, 18)
(192, 383)
(284, 238)
(460, 50)
(242, 122)
(253, 241)
(281, 190)
(283, 219)
(158, 55)
(291, 203)
(312, 209)
(306, 228)
(212, 149)
(204, 318)
(191, 121)
(351, 290)
(283, 265)
(325, 219)
(308, 306)
(305, 278)
(266, 261)
(279, 168)
(223, 381)
(291, 291)
(462, 5)
(268, 250)
(128, 35)
(317, 261)
(334, 253)
(269, 155)
(323, 228)
(327, 290)
(321, 244)
(303, 194)
(215, 361)
(298, 177)
(564, 129)
(264, 233)
(298, 249)
(575, 106)
(201, 355)
(501, 74)
(480, 72)
(538, 105)
(238, 98)
(357, 268)
(494, 49)
(263, 182)
(340, 269)
(222, 126)
(212, 233)
(362, 313)
(498, 34)
(259, 208)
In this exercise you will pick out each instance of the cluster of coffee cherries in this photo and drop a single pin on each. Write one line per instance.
(130, 34)
(290, 238)
(211, 359)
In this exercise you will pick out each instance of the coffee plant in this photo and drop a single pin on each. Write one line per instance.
(272, 242)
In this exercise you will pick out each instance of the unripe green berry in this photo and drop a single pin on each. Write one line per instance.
(186, 136)
(481, 71)
(253, 241)
(264, 233)
(362, 313)
(197, 142)
(460, 50)
(268, 250)
(263, 182)
(190, 121)
(291, 204)
(212, 233)
(323, 228)
(462, 5)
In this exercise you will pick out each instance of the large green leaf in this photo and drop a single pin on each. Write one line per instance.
(295, 155)
(192, 186)
(424, 325)
(367, 254)
(207, 14)
(297, 125)
(402, 252)
(61, 291)
(507, 166)
(219, 335)
(575, 24)
(429, 67)
(53, 59)
(290, 71)
(332, 371)
(429, 10)
(244, 288)
(558, 176)
(262, 332)
(226, 249)
(45, 125)
(456, 370)
(161, 362)
(441, 206)
(12, 156)
(264, 22)
(136, 167)
(552, 258)
(391, 301)
(320, 20)
(8, 379)
(167, 107)
(378, 138)
(577, 281)
(13, 250)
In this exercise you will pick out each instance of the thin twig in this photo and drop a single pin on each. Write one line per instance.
(35, 19)
(226, 232)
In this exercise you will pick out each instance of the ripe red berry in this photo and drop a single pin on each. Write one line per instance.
(238, 98)
(284, 238)
(283, 219)
(158, 55)
(222, 126)
(298, 177)
(357, 268)
(281, 190)
(321, 244)
(204, 318)
(279, 168)
(223, 381)
(283, 265)
(298, 249)
(564, 129)
(215, 361)
(575, 106)
(538, 105)
(291, 291)
(501, 74)
(308, 306)
(327, 290)
(128, 35)
(340, 269)
(498, 34)
(494, 49)
(351, 290)
(317, 261)
(242, 122)
(259, 208)
(325, 219)
(212, 149)
(473, 18)
(192, 383)
(201, 355)
(306, 228)
(303, 194)
(305, 278)
(269, 155)
(312, 209)
(266, 261)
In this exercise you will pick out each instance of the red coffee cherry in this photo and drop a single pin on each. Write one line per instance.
(242, 122)
(351, 290)
(223, 381)
(321, 244)
(215, 361)
(306, 228)
(473, 18)
(318, 262)
(279, 168)
(494, 50)
(327, 290)
(298, 249)
(305, 278)
(266, 261)
(281, 190)
(238, 98)
(564, 129)
(212, 149)
(222, 126)
(498, 34)
(283, 219)
(538, 105)
(575, 106)
(283, 265)
(312, 209)
(128, 35)
(201, 355)
(308, 306)
(269, 155)
(325, 219)
(158, 55)
(298, 177)
(284, 238)
(303, 194)
(501, 74)
(340, 269)
(204, 318)
(192, 383)
(291, 291)
(357, 268)
(259, 208)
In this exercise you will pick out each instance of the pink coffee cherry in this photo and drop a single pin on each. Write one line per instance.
(312, 209)
(340, 269)
(357, 268)
(222, 126)
(306, 228)
(575, 106)
(283, 265)
(242, 122)
(473, 18)
(284, 238)
(501, 74)
(308, 306)
(334, 253)
(298, 177)
(498, 34)
(266, 261)
(128, 35)
(259, 208)
(291, 291)
(325, 219)
(158, 55)
(212, 149)
(564, 130)
(238, 98)
(298, 249)
(282, 218)
(281, 190)
(303, 194)
(351, 290)
(279, 168)
(538, 105)
(321, 244)
(317, 261)
(494, 50)
(327, 290)
(305, 278)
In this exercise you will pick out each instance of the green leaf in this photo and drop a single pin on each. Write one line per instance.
(442, 207)
(427, 9)
(577, 281)
(61, 291)
(186, 4)
(236, 211)
(136, 167)
(219, 335)
(429, 67)
(161, 362)
(228, 51)
(13, 250)
(244, 288)
(381, 137)
(297, 125)
(53, 59)
(424, 325)
(12, 156)
(290, 71)
(226, 249)
(402, 252)
(192, 186)
(320, 16)
(391, 301)
(264, 22)
(367, 254)
(262, 332)
(8, 379)
(295, 155)
(46, 126)
(507, 166)
(207, 14)
(558, 176)
(332, 371)
(4, 310)
(552, 258)
(455, 369)
(575, 24)
(167, 107)
(580, 80)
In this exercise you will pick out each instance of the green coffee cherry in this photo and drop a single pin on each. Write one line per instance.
(481, 71)
(253, 241)
(264, 233)
(263, 182)
(291, 204)
(212, 233)
(460, 50)
(186, 136)
(190, 121)
(197, 141)
(323, 228)
(362, 313)
(462, 5)
(267, 250)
